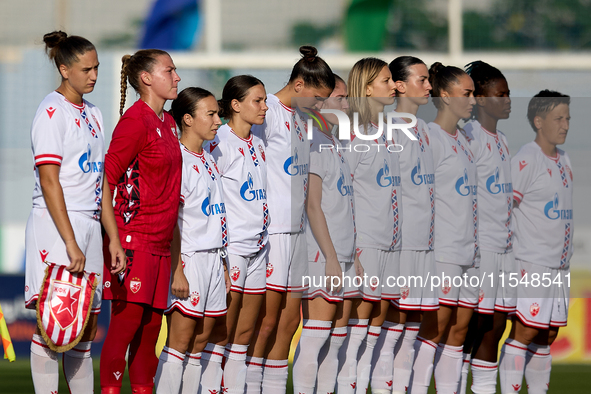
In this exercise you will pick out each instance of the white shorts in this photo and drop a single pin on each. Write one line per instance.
(539, 306)
(455, 290)
(44, 243)
(319, 286)
(389, 280)
(247, 273)
(374, 263)
(495, 294)
(207, 289)
(416, 294)
(287, 262)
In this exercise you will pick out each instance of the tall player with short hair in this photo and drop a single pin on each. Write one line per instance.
(543, 214)
(70, 197)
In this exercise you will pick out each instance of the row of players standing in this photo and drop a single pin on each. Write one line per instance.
(270, 167)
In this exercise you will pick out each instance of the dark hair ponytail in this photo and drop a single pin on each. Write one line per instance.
(186, 103)
(236, 89)
(483, 74)
(441, 78)
(312, 69)
(64, 49)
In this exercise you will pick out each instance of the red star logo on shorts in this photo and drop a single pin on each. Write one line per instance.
(135, 284)
(269, 269)
(534, 309)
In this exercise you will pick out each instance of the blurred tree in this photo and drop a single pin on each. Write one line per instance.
(305, 33)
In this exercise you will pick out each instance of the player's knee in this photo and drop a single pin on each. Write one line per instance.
(268, 326)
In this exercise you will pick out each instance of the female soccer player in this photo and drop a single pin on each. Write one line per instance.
(144, 165)
(543, 214)
(287, 149)
(418, 228)
(376, 181)
(69, 199)
(456, 234)
(331, 248)
(198, 292)
(495, 200)
(241, 161)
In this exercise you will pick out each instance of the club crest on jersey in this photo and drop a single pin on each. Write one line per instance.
(384, 179)
(50, 112)
(552, 212)
(342, 187)
(493, 186)
(234, 273)
(135, 284)
(269, 269)
(404, 292)
(446, 286)
(292, 166)
(262, 151)
(249, 193)
(89, 166)
(194, 298)
(462, 186)
(534, 309)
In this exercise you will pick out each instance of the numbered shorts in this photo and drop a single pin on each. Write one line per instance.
(43, 243)
(539, 306)
(287, 262)
(146, 279)
(495, 293)
(455, 290)
(207, 289)
(248, 273)
(318, 285)
(417, 268)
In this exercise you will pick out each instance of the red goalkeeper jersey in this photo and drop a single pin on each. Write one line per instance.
(144, 164)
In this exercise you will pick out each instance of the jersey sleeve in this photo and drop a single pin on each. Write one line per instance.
(185, 184)
(522, 174)
(47, 135)
(129, 139)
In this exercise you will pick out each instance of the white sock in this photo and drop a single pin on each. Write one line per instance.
(383, 356)
(78, 368)
(305, 364)
(191, 373)
(211, 368)
(328, 362)
(422, 368)
(366, 351)
(484, 377)
(347, 358)
(254, 374)
(235, 369)
(447, 369)
(464, 375)
(275, 377)
(44, 367)
(512, 365)
(170, 371)
(404, 357)
(538, 364)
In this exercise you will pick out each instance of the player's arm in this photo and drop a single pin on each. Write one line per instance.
(319, 228)
(118, 259)
(56, 205)
(179, 285)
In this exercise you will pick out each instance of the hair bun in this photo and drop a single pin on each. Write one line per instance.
(54, 38)
(309, 53)
(435, 68)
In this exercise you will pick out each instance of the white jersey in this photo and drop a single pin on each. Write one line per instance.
(495, 191)
(337, 198)
(70, 136)
(376, 181)
(288, 158)
(543, 187)
(202, 214)
(418, 181)
(241, 163)
(456, 214)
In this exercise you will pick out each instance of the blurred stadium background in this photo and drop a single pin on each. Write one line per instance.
(536, 43)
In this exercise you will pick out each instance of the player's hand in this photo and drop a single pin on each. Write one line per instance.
(118, 257)
(359, 271)
(179, 286)
(333, 270)
(77, 258)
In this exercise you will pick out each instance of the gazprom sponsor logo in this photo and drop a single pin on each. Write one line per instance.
(552, 212)
(89, 166)
(384, 179)
(344, 189)
(249, 193)
(462, 186)
(494, 187)
(292, 167)
(418, 178)
(212, 209)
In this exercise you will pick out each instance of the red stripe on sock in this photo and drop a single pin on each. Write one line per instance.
(174, 355)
